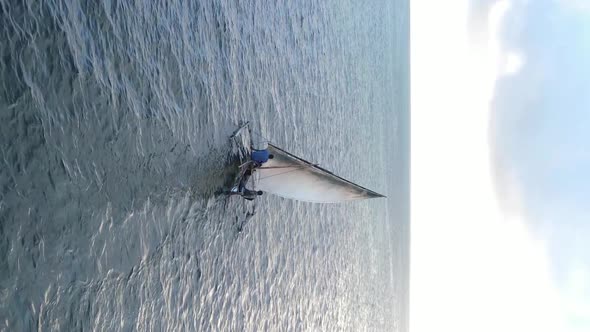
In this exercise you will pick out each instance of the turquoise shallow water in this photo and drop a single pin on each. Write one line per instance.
(114, 119)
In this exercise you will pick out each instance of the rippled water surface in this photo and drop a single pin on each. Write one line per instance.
(114, 117)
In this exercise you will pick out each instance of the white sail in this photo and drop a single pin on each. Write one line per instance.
(289, 176)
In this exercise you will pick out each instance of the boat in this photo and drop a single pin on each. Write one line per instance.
(289, 176)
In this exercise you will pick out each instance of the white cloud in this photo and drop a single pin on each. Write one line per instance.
(512, 63)
(473, 268)
(578, 5)
(536, 141)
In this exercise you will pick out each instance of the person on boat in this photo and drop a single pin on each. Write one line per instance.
(246, 193)
(243, 191)
(259, 157)
(250, 195)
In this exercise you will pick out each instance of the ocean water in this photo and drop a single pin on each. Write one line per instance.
(114, 117)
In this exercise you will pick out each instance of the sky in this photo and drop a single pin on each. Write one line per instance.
(500, 155)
